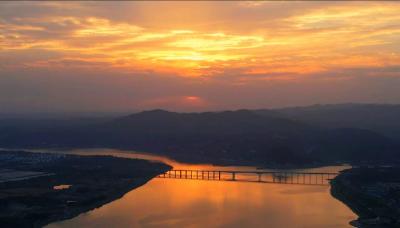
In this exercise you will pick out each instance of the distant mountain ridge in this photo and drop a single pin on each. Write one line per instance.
(382, 118)
(257, 137)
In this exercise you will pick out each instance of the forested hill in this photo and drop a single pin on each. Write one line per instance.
(234, 137)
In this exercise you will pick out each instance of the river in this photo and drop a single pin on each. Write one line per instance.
(164, 202)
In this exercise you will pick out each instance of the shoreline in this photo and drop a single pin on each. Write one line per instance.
(185, 159)
(81, 210)
(371, 193)
(94, 181)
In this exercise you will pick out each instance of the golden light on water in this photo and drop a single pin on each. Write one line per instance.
(198, 203)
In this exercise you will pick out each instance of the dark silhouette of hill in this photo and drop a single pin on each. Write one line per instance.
(381, 118)
(230, 137)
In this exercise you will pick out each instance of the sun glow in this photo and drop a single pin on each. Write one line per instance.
(192, 56)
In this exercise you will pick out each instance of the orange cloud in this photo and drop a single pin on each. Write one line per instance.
(304, 42)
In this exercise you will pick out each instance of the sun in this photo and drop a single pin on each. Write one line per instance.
(192, 98)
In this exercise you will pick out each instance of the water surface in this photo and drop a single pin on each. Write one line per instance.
(200, 203)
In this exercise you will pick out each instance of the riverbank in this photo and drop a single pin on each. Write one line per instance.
(372, 193)
(172, 158)
(39, 188)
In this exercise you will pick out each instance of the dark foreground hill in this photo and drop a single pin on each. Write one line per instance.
(231, 137)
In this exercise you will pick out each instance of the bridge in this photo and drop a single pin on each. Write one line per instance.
(281, 177)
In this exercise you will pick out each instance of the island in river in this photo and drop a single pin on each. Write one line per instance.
(39, 188)
(372, 193)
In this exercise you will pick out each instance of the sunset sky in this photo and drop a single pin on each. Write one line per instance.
(196, 56)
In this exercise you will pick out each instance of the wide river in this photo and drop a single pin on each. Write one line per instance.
(164, 202)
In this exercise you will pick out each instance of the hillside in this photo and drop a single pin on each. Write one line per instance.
(229, 137)
(381, 118)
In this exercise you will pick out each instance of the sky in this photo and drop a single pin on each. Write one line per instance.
(196, 56)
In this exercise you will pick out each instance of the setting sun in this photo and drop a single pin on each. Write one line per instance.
(209, 47)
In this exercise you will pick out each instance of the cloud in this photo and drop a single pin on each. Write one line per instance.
(304, 39)
(126, 55)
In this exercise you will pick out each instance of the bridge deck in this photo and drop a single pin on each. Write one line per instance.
(282, 177)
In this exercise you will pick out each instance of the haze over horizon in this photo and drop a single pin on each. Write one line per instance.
(196, 56)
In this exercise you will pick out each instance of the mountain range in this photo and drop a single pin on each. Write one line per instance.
(301, 136)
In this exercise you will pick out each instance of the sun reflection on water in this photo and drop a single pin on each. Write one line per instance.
(198, 203)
